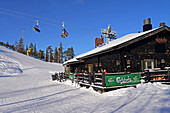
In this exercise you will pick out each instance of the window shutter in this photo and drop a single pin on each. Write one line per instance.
(142, 65)
(155, 63)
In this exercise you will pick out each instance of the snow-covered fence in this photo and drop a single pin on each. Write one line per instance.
(157, 75)
(78, 77)
(109, 81)
(60, 76)
(83, 79)
(103, 82)
(99, 79)
(87, 79)
(54, 76)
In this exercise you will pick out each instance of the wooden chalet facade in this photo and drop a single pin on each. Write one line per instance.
(132, 53)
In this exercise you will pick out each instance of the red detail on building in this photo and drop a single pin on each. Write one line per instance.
(161, 40)
(99, 41)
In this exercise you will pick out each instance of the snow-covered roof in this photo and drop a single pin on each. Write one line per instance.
(111, 44)
(71, 60)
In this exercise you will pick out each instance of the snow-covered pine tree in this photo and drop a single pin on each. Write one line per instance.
(49, 52)
(51, 55)
(72, 52)
(20, 46)
(26, 48)
(56, 54)
(65, 56)
(7, 44)
(16, 45)
(46, 58)
(41, 54)
(35, 51)
(68, 53)
(60, 49)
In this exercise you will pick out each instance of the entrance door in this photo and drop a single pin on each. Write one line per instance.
(149, 63)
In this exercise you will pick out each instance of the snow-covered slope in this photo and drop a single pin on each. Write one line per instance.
(26, 87)
(20, 69)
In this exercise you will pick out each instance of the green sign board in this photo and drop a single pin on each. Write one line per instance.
(120, 80)
(71, 77)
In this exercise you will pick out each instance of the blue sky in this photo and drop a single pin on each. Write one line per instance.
(84, 18)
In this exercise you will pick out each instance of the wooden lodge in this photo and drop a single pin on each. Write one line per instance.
(131, 53)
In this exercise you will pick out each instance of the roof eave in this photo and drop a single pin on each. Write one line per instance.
(75, 62)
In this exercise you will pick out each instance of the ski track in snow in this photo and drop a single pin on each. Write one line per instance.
(32, 91)
(8, 66)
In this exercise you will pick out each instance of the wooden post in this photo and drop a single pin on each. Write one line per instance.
(148, 76)
(73, 78)
(90, 76)
(67, 76)
(63, 76)
(57, 76)
(83, 77)
(103, 80)
(60, 76)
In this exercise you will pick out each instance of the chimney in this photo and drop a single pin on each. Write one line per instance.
(147, 24)
(162, 24)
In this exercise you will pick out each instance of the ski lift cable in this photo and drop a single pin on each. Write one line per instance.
(11, 11)
(43, 22)
(81, 26)
(29, 15)
(45, 18)
(27, 18)
(16, 15)
(83, 30)
(50, 23)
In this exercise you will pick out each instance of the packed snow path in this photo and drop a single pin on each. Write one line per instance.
(26, 87)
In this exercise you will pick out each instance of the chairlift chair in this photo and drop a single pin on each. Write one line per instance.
(64, 34)
(36, 28)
